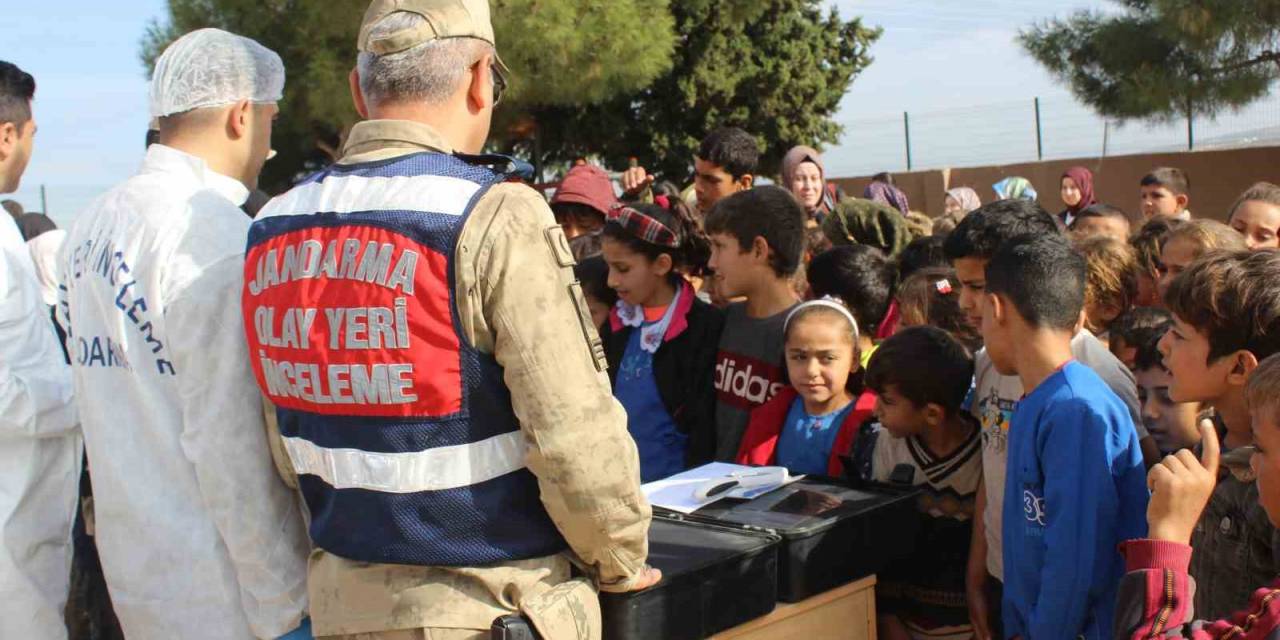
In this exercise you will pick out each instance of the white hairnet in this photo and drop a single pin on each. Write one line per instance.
(211, 67)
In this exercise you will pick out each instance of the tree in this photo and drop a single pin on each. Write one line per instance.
(560, 51)
(612, 79)
(777, 68)
(1164, 59)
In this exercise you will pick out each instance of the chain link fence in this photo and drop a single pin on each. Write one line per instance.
(1050, 128)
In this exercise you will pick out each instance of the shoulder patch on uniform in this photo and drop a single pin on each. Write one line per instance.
(560, 246)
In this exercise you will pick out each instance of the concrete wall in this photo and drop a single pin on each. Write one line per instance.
(1217, 178)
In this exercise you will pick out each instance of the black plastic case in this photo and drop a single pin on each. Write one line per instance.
(713, 578)
(831, 533)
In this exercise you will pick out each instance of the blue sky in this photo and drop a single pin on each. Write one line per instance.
(935, 55)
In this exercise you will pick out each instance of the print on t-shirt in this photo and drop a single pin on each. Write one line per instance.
(745, 382)
(994, 414)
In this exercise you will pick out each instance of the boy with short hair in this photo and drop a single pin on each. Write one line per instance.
(1165, 192)
(1076, 486)
(863, 278)
(1133, 330)
(725, 164)
(1154, 594)
(970, 247)
(757, 240)
(1172, 424)
(921, 376)
(1226, 309)
(1102, 220)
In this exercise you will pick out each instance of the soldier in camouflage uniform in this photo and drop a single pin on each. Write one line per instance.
(440, 388)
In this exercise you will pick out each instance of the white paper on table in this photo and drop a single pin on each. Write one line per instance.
(677, 492)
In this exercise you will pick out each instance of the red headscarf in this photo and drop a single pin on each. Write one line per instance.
(1084, 181)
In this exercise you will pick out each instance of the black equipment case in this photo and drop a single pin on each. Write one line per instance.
(713, 578)
(832, 533)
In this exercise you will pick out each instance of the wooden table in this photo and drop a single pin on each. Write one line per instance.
(844, 613)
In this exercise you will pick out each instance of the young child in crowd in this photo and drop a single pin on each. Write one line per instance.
(810, 425)
(921, 253)
(660, 338)
(583, 199)
(1111, 283)
(1190, 241)
(1156, 591)
(931, 297)
(1256, 215)
(724, 164)
(920, 376)
(1226, 309)
(593, 274)
(1102, 220)
(757, 238)
(863, 278)
(1173, 425)
(1147, 244)
(1076, 486)
(1166, 193)
(1134, 329)
(970, 247)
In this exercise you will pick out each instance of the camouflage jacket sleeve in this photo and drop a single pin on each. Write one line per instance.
(518, 300)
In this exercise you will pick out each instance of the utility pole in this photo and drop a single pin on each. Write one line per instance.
(906, 129)
(1039, 135)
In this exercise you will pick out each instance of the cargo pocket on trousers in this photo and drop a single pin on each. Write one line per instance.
(569, 610)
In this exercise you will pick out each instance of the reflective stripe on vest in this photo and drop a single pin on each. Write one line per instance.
(410, 472)
(403, 435)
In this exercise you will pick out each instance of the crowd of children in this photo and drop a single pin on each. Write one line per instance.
(1024, 370)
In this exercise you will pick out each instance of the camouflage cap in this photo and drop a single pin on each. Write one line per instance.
(444, 19)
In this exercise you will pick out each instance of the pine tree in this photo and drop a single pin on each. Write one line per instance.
(559, 51)
(776, 68)
(615, 79)
(1164, 59)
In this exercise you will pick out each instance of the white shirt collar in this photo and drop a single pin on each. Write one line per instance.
(169, 160)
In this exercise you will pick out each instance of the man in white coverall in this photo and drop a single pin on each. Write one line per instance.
(39, 444)
(199, 537)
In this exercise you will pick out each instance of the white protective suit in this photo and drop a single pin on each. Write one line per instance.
(39, 454)
(198, 535)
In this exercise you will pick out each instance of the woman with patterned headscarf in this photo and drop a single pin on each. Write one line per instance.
(1013, 188)
(883, 190)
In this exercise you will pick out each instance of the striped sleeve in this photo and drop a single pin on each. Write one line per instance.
(1156, 593)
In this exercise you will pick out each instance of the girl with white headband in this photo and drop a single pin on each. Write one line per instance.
(810, 425)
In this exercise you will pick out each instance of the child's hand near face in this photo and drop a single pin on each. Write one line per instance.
(1180, 488)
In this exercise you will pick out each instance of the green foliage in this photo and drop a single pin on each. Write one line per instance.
(613, 78)
(316, 41)
(777, 68)
(581, 51)
(1163, 59)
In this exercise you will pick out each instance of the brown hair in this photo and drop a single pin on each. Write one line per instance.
(1233, 298)
(1148, 242)
(1171, 178)
(1259, 192)
(1207, 235)
(1262, 391)
(1111, 272)
(934, 294)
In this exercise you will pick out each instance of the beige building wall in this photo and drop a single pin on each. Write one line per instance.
(1217, 178)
